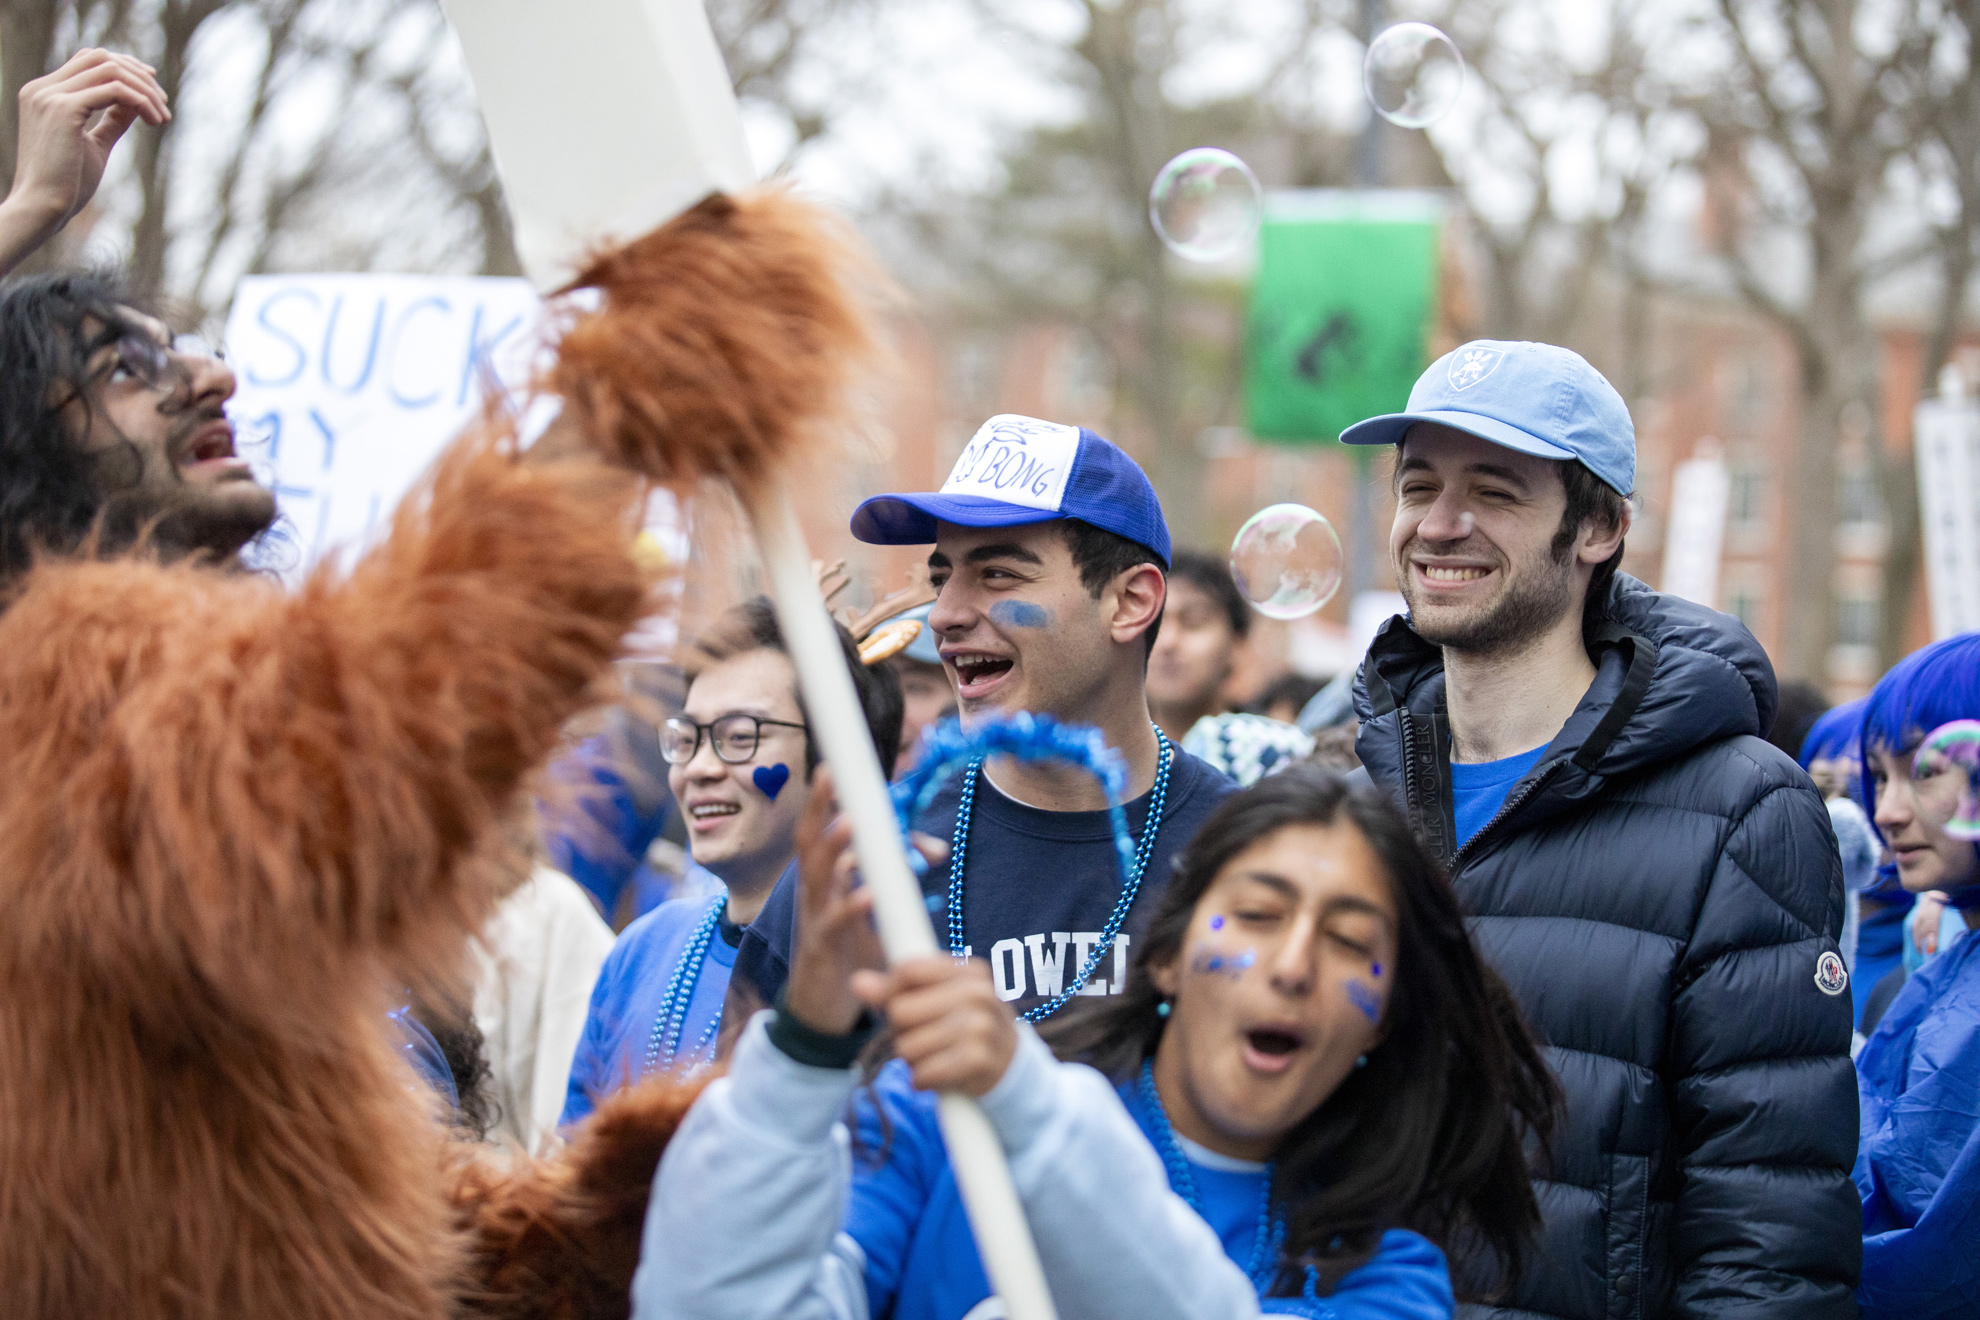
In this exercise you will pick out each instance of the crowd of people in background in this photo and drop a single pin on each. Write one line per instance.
(1552, 960)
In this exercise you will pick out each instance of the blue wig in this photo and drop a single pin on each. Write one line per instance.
(1834, 733)
(1935, 685)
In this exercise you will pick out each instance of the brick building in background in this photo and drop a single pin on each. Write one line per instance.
(1729, 379)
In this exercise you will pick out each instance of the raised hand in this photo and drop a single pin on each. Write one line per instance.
(948, 1023)
(835, 936)
(835, 919)
(70, 120)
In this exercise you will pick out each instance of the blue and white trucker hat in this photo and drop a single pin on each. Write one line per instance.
(1536, 398)
(1018, 470)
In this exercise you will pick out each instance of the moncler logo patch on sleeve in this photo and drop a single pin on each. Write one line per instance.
(1831, 977)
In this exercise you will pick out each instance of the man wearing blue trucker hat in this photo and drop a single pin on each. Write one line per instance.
(1658, 884)
(1050, 556)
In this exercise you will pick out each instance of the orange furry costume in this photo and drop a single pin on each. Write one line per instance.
(232, 816)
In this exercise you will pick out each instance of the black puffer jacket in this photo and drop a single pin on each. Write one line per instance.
(1658, 891)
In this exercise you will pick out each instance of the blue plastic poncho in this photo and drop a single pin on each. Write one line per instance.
(1918, 1164)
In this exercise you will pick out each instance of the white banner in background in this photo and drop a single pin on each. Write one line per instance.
(1946, 438)
(1696, 530)
(349, 386)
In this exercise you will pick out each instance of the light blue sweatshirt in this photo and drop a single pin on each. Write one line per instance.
(760, 1210)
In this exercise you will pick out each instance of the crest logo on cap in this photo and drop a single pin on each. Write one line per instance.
(1831, 977)
(1471, 365)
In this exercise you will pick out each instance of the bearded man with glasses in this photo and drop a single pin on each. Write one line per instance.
(112, 427)
(109, 426)
(739, 764)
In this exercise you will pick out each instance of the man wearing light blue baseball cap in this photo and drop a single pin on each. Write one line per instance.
(1658, 885)
(1049, 554)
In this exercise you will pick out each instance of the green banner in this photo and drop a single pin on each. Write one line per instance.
(1341, 310)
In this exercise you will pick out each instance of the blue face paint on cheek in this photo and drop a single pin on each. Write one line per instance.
(1206, 959)
(1216, 923)
(770, 779)
(1366, 1000)
(1020, 614)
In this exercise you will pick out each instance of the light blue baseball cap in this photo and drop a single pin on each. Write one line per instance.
(1535, 398)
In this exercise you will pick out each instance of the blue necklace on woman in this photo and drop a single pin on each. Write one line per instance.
(1263, 1270)
(1130, 881)
(665, 1042)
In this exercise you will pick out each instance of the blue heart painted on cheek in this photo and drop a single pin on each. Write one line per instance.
(770, 779)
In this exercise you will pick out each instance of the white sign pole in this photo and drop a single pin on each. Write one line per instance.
(1946, 443)
(1696, 529)
(990, 1198)
(608, 118)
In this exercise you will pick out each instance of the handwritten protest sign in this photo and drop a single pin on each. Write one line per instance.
(349, 386)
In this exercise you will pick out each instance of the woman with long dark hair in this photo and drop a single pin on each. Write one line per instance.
(1308, 1089)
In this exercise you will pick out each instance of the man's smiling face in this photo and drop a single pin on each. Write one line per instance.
(1474, 541)
(736, 827)
(1016, 627)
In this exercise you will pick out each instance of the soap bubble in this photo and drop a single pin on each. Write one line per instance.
(1946, 748)
(1413, 74)
(1287, 561)
(1206, 204)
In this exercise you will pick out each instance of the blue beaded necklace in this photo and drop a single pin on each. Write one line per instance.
(1263, 1269)
(1133, 868)
(667, 1027)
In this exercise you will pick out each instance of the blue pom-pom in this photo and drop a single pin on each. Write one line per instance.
(948, 747)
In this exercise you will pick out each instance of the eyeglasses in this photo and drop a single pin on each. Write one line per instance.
(734, 738)
(146, 360)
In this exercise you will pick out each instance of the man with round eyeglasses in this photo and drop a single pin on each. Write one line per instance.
(739, 763)
(733, 738)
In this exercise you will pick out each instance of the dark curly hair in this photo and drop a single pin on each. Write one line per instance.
(1101, 556)
(51, 490)
(1429, 1135)
(56, 496)
(464, 1047)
